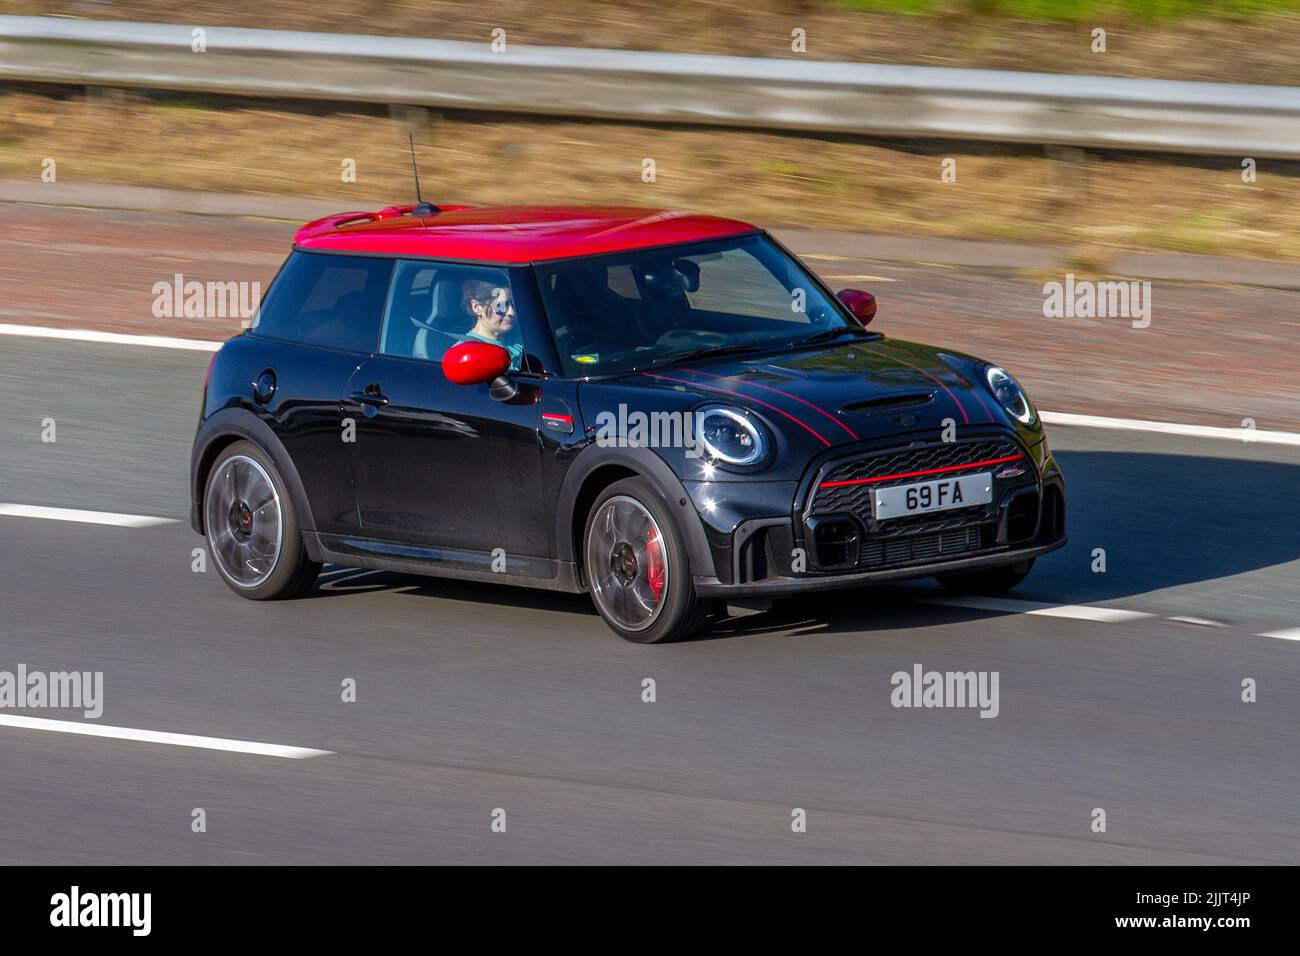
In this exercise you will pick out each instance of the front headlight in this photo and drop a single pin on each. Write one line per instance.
(726, 435)
(1010, 395)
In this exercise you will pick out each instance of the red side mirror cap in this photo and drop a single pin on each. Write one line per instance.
(473, 363)
(861, 304)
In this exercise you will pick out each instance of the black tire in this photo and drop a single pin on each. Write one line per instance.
(989, 580)
(291, 572)
(681, 612)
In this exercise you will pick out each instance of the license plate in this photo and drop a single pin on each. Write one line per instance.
(939, 495)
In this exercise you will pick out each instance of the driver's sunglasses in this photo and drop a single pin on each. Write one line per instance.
(502, 307)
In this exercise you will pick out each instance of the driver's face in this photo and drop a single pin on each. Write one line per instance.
(498, 313)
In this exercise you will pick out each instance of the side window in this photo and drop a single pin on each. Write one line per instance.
(435, 305)
(327, 300)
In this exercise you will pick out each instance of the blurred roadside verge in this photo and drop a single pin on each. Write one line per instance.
(831, 244)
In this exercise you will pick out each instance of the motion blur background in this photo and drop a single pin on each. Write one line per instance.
(1092, 202)
(470, 698)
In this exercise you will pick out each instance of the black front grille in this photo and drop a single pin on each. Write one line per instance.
(934, 522)
(918, 537)
(919, 547)
(856, 498)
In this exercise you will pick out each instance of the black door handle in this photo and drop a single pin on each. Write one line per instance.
(371, 395)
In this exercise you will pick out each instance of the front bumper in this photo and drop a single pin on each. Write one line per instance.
(779, 586)
(805, 549)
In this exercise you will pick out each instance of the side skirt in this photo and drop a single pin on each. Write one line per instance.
(520, 571)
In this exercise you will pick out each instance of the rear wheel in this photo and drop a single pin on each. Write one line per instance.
(252, 529)
(637, 567)
(988, 580)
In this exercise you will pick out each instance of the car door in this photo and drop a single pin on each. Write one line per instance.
(437, 464)
(321, 318)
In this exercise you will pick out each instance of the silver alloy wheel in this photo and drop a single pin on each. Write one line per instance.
(244, 521)
(627, 563)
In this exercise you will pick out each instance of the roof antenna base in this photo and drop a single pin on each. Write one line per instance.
(421, 208)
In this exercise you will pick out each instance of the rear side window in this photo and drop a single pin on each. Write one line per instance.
(332, 301)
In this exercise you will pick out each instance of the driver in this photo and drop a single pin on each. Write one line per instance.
(493, 310)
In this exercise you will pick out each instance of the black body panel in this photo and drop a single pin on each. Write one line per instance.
(392, 466)
(446, 465)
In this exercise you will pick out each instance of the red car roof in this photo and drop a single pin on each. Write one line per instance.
(511, 233)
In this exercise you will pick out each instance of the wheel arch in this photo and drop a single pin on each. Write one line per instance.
(595, 469)
(221, 430)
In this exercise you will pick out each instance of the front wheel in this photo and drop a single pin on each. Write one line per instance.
(988, 580)
(637, 567)
(252, 530)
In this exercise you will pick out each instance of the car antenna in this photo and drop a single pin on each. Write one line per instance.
(421, 207)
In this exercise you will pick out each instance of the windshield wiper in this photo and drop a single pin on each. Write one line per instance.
(707, 352)
(825, 335)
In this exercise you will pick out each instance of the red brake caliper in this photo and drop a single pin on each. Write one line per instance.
(656, 572)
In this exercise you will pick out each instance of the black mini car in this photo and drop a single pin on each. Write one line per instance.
(666, 410)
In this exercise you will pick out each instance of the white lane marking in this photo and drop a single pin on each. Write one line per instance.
(1290, 634)
(1247, 436)
(1078, 612)
(1244, 435)
(110, 338)
(1198, 621)
(85, 517)
(160, 737)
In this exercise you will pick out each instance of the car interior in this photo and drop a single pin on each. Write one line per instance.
(667, 303)
(426, 316)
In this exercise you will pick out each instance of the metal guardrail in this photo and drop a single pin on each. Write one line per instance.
(791, 94)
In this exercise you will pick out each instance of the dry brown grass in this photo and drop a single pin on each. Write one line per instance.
(1100, 204)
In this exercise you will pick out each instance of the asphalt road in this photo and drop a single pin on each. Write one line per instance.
(472, 698)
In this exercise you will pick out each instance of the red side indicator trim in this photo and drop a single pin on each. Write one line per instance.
(916, 474)
(816, 408)
(727, 391)
(555, 417)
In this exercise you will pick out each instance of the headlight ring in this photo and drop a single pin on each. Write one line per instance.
(727, 435)
(1010, 395)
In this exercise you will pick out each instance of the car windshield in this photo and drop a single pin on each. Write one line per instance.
(653, 307)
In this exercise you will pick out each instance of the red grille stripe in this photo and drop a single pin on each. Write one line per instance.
(915, 474)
